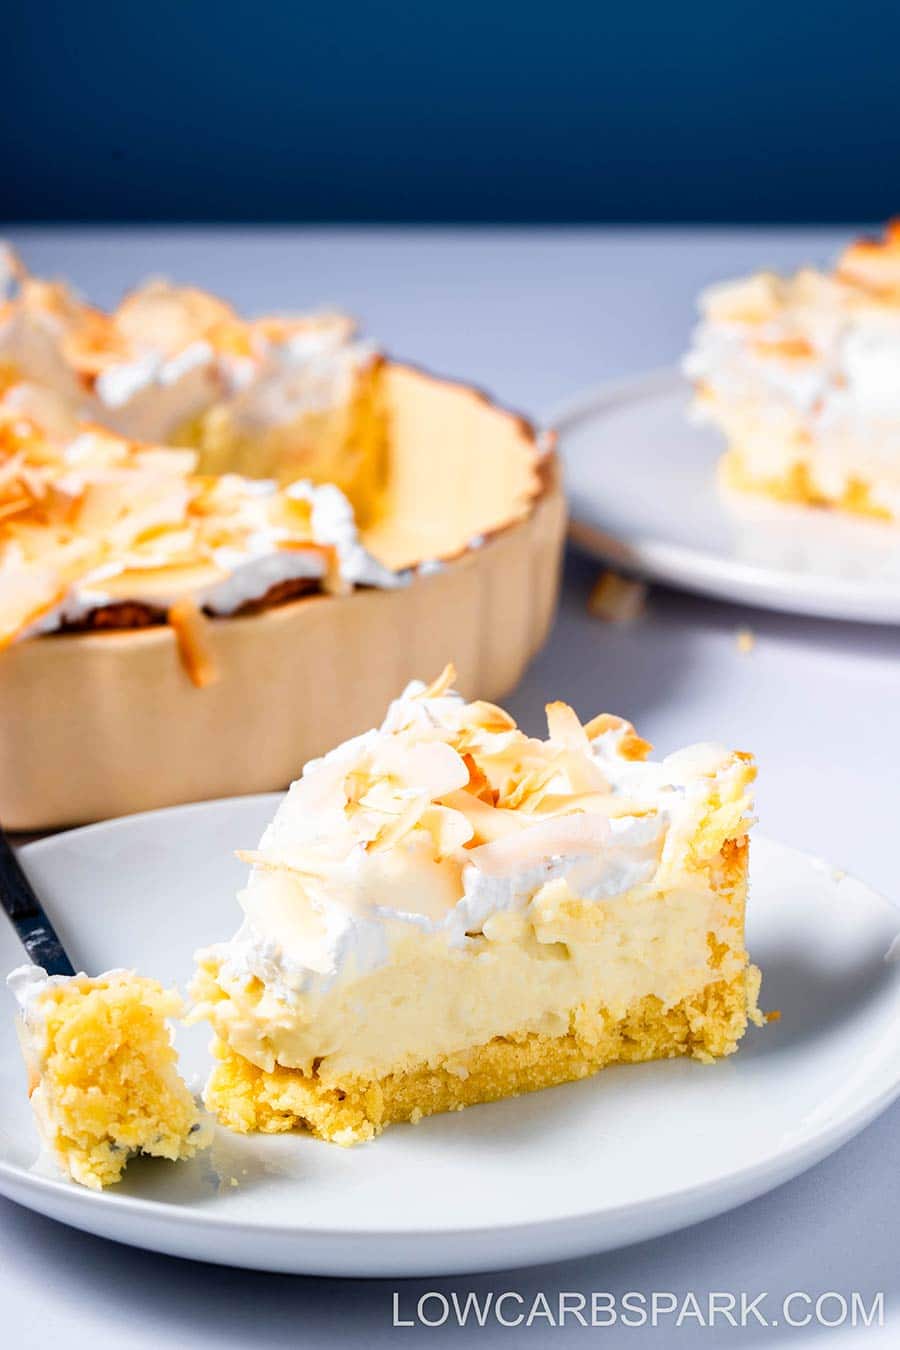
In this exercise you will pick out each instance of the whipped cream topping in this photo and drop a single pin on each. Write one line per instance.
(153, 396)
(449, 821)
(28, 984)
(334, 523)
(806, 369)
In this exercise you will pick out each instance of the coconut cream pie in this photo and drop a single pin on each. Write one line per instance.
(98, 532)
(287, 397)
(102, 1074)
(446, 911)
(802, 375)
(305, 522)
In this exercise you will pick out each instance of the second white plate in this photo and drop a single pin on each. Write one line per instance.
(643, 493)
(632, 1153)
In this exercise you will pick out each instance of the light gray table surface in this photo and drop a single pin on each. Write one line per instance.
(536, 316)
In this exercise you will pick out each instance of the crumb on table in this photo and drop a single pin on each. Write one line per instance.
(617, 599)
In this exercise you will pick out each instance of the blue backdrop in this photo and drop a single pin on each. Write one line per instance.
(705, 110)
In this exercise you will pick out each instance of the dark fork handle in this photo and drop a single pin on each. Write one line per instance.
(28, 916)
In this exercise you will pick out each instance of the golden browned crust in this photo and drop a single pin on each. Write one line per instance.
(129, 614)
(123, 615)
(281, 593)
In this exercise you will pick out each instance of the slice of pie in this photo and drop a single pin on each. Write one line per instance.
(447, 911)
(802, 376)
(102, 1071)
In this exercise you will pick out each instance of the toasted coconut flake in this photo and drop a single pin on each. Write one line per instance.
(92, 343)
(564, 726)
(631, 745)
(192, 632)
(488, 822)
(562, 834)
(604, 722)
(488, 717)
(298, 863)
(450, 830)
(444, 681)
(479, 784)
(169, 318)
(527, 792)
(555, 804)
(391, 833)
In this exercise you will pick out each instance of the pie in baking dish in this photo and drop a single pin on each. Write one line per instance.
(172, 462)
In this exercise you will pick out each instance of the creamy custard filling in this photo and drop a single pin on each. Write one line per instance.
(432, 1000)
(446, 880)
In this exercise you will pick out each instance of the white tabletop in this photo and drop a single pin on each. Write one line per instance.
(534, 316)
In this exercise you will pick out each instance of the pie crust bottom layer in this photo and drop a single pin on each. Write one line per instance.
(799, 484)
(706, 1025)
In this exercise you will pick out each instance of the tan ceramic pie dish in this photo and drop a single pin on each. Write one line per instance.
(102, 724)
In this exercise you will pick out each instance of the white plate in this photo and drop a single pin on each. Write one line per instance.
(627, 1155)
(643, 494)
